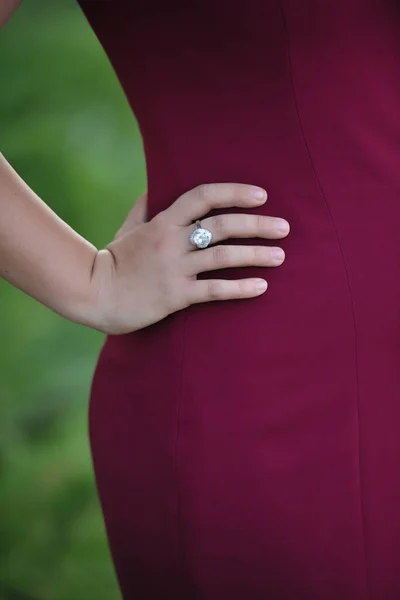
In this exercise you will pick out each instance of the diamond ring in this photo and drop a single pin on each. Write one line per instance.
(200, 237)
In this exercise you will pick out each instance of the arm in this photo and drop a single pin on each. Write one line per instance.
(147, 272)
(39, 253)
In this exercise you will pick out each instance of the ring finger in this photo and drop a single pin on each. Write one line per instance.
(223, 256)
(227, 226)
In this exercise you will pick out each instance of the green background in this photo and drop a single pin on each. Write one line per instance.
(66, 127)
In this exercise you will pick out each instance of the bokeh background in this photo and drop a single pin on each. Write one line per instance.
(66, 127)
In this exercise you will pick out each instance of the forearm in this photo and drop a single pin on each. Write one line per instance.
(39, 253)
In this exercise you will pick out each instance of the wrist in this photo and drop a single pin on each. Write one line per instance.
(92, 309)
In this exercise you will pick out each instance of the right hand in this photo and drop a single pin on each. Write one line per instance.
(150, 268)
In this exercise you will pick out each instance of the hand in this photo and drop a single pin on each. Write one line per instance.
(150, 268)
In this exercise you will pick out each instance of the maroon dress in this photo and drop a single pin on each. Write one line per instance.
(250, 449)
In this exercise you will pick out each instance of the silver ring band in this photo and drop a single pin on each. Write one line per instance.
(200, 237)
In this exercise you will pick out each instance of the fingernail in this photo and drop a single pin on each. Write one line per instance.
(262, 285)
(278, 253)
(282, 225)
(258, 193)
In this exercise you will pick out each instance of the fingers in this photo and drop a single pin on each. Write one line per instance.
(208, 290)
(227, 226)
(197, 202)
(222, 257)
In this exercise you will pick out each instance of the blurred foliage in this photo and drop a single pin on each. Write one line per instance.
(66, 127)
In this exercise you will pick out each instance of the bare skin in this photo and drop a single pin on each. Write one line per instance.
(149, 270)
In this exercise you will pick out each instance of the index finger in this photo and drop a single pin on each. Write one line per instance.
(197, 202)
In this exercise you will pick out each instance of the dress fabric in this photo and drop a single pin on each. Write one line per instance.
(250, 449)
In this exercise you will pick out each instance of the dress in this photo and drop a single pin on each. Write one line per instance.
(249, 449)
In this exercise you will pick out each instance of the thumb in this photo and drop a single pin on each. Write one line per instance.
(136, 216)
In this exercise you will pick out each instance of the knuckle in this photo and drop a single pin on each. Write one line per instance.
(248, 222)
(207, 192)
(260, 253)
(219, 224)
(221, 255)
(260, 222)
(185, 300)
(172, 302)
(170, 297)
(160, 218)
(185, 292)
(162, 235)
(242, 287)
(214, 289)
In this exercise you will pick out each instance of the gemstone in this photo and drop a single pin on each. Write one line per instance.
(201, 237)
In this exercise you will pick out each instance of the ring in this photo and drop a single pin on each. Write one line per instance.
(200, 237)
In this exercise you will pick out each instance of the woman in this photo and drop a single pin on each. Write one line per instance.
(246, 448)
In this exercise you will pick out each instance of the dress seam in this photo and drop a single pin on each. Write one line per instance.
(181, 554)
(360, 467)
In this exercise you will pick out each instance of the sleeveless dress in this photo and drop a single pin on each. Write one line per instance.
(250, 449)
